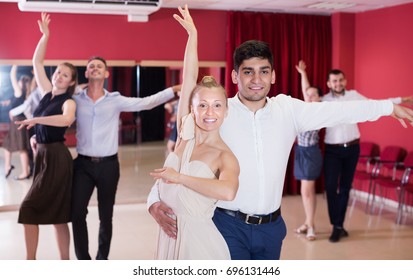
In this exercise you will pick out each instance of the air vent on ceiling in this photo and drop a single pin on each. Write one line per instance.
(136, 10)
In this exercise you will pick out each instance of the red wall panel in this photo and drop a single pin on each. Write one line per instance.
(78, 36)
(374, 50)
(383, 66)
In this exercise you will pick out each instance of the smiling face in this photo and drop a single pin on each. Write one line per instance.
(96, 70)
(209, 106)
(337, 83)
(254, 79)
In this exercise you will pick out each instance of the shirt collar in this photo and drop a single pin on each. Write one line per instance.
(338, 95)
(238, 101)
(83, 93)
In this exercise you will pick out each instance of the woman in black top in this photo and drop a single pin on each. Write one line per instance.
(48, 200)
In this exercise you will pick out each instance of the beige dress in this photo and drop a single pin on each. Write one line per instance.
(197, 238)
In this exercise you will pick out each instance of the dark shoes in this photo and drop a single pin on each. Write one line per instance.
(337, 234)
(17, 177)
(22, 178)
(9, 171)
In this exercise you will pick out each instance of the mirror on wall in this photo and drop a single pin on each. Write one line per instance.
(6, 89)
(129, 80)
(116, 80)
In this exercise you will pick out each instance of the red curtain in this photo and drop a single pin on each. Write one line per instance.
(291, 37)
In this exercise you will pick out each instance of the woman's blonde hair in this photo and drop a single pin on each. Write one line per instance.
(208, 82)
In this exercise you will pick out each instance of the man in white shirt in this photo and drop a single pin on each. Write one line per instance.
(342, 151)
(261, 131)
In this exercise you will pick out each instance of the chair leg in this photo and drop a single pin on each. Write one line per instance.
(398, 218)
(382, 197)
(373, 198)
(400, 207)
(368, 198)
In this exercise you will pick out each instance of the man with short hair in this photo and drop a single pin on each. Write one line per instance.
(341, 153)
(260, 131)
(97, 164)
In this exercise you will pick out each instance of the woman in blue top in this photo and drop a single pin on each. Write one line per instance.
(48, 200)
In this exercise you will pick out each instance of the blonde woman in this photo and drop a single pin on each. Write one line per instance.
(201, 170)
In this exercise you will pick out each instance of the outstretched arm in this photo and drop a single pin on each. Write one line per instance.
(190, 70)
(305, 84)
(14, 82)
(63, 120)
(43, 82)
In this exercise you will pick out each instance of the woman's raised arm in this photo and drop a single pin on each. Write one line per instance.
(42, 80)
(190, 70)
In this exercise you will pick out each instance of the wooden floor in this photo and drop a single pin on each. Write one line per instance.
(372, 237)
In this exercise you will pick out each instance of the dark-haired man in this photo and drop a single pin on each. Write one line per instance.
(341, 153)
(260, 131)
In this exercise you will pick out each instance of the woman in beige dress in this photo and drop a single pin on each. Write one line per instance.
(202, 169)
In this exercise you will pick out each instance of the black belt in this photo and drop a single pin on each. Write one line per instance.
(345, 145)
(98, 159)
(252, 219)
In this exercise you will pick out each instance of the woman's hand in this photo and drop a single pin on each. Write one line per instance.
(301, 67)
(186, 19)
(28, 122)
(44, 24)
(169, 175)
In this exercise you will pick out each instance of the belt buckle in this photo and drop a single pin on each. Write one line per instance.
(95, 159)
(248, 216)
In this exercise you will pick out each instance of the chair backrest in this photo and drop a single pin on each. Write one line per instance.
(408, 166)
(369, 149)
(390, 158)
(393, 154)
(408, 161)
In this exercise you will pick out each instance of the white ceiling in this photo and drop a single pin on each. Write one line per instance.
(288, 6)
(283, 6)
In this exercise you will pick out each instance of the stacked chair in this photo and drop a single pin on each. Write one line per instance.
(405, 187)
(369, 154)
(386, 173)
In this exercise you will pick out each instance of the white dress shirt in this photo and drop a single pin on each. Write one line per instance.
(262, 143)
(345, 133)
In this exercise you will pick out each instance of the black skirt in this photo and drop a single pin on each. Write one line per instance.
(49, 198)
